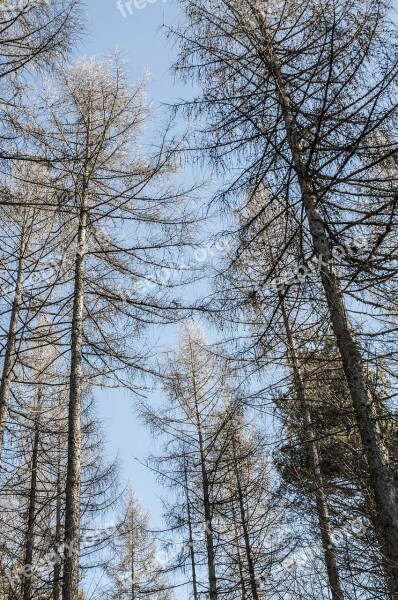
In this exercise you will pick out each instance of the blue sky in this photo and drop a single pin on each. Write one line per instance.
(138, 36)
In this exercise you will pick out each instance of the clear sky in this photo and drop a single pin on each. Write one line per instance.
(139, 36)
(145, 47)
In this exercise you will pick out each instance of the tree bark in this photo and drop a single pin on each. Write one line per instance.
(29, 537)
(70, 587)
(10, 357)
(380, 474)
(58, 529)
(190, 533)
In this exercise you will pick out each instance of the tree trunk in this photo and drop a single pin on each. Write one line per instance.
(29, 537)
(70, 585)
(240, 562)
(206, 498)
(190, 533)
(380, 474)
(319, 487)
(208, 519)
(243, 519)
(133, 585)
(58, 529)
(10, 357)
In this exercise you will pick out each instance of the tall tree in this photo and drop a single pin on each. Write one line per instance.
(294, 97)
(255, 257)
(99, 174)
(215, 464)
(29, 246)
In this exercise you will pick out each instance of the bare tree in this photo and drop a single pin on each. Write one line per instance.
(101, 176)
(296, 94)
(134, 569)
(34, 35)
(214, 463)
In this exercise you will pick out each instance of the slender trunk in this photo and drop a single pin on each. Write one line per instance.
(370, 512)
(208, 520)
(319, 487)
(380, 474)
(58, 529)
(70, 585)
(243, 519)
(29, 538)
(190, 533)
(133, 586)
(10, 356)
(206, 498)
(240, 561)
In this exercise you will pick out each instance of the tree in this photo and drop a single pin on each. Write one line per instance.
(100, 178)
(33, 35)
(255, 257)
(248, 503)
(223, 501)
(28, 264)
(341, 462)
(195, 388)
(134, 570)
(295, 97)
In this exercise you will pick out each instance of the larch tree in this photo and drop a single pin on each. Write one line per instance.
(295, 95)
(102, 178)
(30, 246)
(225, 506)
(276, 328)
(34, 35)
(134, 569)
